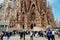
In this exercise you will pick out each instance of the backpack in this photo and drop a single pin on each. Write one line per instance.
(49, 33)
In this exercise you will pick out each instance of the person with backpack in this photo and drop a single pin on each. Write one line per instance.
(49, 34)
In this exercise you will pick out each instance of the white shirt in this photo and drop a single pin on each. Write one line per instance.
(53, 32)
(31, 33)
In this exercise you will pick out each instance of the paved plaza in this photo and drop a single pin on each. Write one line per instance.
(27, 37)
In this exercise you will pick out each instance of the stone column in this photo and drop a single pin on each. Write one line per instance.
(25, 21)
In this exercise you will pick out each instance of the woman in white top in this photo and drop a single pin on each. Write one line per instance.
(53, 35)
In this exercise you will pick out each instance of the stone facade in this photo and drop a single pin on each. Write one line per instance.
(33, 13)
(7, 11)
(28, 14)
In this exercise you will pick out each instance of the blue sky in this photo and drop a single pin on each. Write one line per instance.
(1, 1)
(55, 8)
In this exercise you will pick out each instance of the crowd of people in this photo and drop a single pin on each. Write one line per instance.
(49, 34)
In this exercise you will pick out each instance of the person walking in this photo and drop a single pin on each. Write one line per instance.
(53, 35)
(21, 35)
(49, 34)
(1, 36)
(40, 33)
(31, 35)
(24, 35)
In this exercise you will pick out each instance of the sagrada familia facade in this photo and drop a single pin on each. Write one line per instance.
(28, 14)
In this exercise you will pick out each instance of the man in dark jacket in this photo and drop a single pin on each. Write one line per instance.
(49, 34)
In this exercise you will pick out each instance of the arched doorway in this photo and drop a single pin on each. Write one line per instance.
(32, 25)
(23, 27)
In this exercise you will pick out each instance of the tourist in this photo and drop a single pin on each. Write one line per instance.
(44, 33)
(14, 32)
(53, 35)
(40, 33)
(7, 34)
(31, 35)
(1, 36)
(24, 34)
(49, 34)
(21, 35)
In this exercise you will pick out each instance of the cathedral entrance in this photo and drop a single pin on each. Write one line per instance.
(32, 25)
(23, 27)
